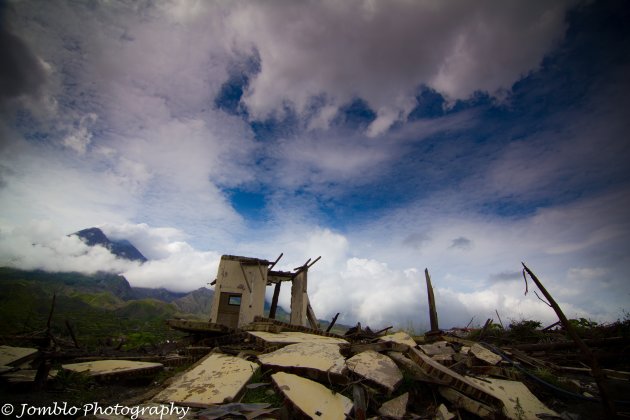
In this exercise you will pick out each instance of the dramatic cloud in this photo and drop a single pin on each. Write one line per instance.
(382, 52)
(21, 72)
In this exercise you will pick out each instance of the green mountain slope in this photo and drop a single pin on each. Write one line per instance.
(97, 307)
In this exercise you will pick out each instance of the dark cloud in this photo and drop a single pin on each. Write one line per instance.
(461, 243)
(21, 72)
(505, 276)
(416, 240)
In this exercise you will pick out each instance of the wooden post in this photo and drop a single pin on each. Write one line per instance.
(274, 301)
(332, 322)
(273, 264)
(500, 322)
(596, 372)
(432, 310)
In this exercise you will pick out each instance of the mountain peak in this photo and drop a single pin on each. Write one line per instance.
(121, 248)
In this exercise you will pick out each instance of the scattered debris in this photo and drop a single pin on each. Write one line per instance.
(242, 364)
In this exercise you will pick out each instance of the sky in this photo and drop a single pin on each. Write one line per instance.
(464, 137)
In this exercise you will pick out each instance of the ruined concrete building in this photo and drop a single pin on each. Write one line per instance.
(239, 294)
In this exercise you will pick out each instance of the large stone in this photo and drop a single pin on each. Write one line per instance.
(311, 398)
(215, 379)
(377, 368)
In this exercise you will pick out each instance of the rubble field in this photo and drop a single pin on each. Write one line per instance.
(272, 369)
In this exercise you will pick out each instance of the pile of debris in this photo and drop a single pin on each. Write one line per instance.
(241, 364)
(272, 369)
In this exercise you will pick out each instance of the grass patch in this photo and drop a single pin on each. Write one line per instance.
(264, 394)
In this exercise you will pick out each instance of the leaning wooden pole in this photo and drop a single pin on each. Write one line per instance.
(332, 323)
(274, 301)
(432, 310)
(596, 372)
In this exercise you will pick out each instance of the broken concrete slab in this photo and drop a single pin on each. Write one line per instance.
(312, 398)
(485, 355)
(291, 337)
(113, 368)
(215, 379)
(380, 346)
(377, 368)
(441, 373)
(444, 359)
(316, 360)
(437, 348)
(14, 356)
(400, 337)
(518, 401)
(442, 413)
(459, 400)
(395, 408)
(496, 371)
(409, 366)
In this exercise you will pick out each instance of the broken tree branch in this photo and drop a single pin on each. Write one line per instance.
(598, 375)
(542, 300)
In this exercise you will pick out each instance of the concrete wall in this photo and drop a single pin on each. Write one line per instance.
(299, 299)
(230, 279)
